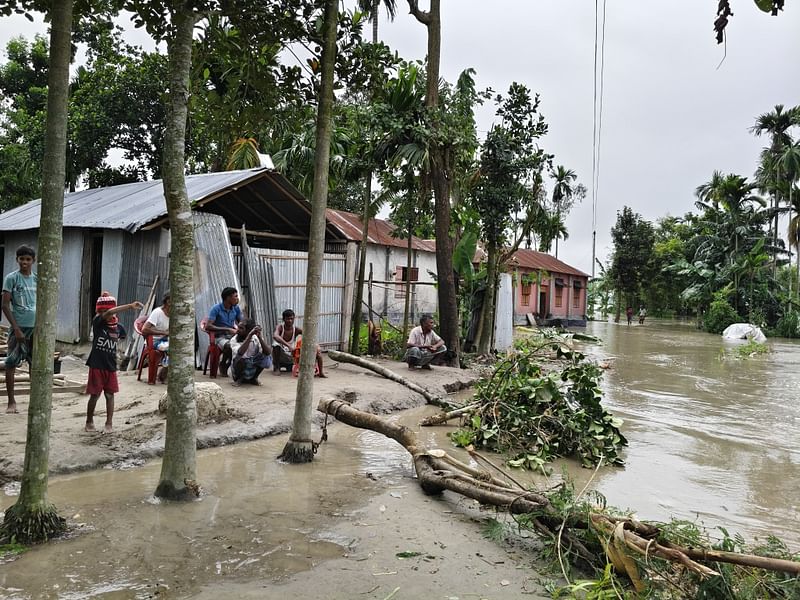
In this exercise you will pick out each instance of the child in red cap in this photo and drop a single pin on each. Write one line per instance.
(102, 361)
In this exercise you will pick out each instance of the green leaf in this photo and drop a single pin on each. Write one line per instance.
(764, 5)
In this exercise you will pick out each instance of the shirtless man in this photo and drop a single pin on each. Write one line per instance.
(284, 341)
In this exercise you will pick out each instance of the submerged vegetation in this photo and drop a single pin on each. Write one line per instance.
(534, 412)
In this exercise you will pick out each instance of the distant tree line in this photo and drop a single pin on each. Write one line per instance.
(728, 261)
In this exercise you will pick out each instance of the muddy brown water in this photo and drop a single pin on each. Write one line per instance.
(257, 519)
(262, 529)
(713, 438)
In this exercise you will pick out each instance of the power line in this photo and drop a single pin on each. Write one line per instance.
(597, 118)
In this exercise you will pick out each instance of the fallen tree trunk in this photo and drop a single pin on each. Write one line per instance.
(435, 471)
(444, 417)
(431, 398)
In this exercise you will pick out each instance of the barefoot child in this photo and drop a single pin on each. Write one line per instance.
(102, 361)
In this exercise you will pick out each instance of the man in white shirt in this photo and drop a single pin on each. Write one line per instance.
(250, 353)
(157, 325)
(423, 345)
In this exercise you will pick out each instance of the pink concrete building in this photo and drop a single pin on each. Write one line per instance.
(547, 288)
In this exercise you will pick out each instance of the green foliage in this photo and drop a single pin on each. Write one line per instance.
(607, 587)
(720, 314)
(12, 549)
(494, 530)
(631, 263)
(751, 348)
(788, 325)
(392, 340)
(664, 580)
(534, 416)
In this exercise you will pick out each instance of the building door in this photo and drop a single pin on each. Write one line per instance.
(90, 280)
(543, 303)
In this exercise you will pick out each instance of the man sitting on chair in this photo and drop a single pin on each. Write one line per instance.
(157, 325)
(224, 320)
(423, 345)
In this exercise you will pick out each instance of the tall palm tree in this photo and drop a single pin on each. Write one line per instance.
(776, 124)
(562, 191)
(730, 199)
(708, 193)
(371, 7)
(789, 161)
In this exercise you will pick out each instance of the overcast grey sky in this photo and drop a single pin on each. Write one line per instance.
(670, 117)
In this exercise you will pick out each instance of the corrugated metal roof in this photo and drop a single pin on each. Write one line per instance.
(379, 231)
(130, 206)
(531, 259)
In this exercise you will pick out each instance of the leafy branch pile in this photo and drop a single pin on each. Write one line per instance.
(534, 414)
(625, 570)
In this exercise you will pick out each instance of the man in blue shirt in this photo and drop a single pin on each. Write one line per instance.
(223, 320)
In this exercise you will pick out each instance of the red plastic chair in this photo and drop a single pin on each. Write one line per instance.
(149, 353)
(212, 356)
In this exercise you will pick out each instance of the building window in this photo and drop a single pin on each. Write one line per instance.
(576, 298)
(559, 295)
(401, 275)
(526, 293)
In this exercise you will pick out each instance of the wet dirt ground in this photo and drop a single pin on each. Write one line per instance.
(352, 524)
(250, 412)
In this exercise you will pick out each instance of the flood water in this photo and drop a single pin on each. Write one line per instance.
(258, 520)
(712, 437)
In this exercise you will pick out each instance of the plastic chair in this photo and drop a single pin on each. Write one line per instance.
(149, 353)
(212, 356)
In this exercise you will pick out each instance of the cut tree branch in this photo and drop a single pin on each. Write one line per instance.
(431, 398)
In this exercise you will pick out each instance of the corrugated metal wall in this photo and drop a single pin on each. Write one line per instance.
(143, 258)
(290, 269)
(263, 307)
(214, 269)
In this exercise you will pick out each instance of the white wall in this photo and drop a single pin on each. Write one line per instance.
(385, 300)
(504, 314)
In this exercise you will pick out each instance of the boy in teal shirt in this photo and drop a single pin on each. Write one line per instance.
(19, 307)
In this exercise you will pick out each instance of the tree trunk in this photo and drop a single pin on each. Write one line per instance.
(178, 468)
(32, 518)
(486, 330)
(375, 6)
(362, 267)
(407, 282)
(440, 177)
(797, 260)
(391, 375)
(437, 472)
(299, 448)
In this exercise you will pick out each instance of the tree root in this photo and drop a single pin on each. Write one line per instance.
(167, 490)
(297, 452)
(26, 526)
